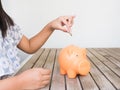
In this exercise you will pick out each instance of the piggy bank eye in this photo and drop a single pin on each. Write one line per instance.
(76, 55)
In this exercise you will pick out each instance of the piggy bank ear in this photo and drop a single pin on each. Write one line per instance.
(71, 49)
(83, 51)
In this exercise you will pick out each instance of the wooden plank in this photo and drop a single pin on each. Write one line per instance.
(108, 56)
(111, 58)
(117, 50)
(88, 83)
(113, 50)
(50, 65)
(58, 82)
(107, 62)
(42, 59)
(32, 61)
(112, 77)
(112, 54)
(73, 84)
(99, 78)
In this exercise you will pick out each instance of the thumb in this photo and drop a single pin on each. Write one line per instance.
(66, 28)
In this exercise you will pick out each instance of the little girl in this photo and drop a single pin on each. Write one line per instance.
(11, 38)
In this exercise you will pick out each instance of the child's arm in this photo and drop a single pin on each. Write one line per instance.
(33, 44)
(12, 83)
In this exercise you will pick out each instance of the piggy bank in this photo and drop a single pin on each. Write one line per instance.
(73, 61)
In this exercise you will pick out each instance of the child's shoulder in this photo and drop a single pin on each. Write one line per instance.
(15, 27)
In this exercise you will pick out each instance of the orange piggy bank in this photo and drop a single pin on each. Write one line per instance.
(73, 61)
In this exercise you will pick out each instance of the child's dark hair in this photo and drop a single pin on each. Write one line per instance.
(5, 21)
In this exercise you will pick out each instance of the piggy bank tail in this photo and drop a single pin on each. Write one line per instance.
(84, 68)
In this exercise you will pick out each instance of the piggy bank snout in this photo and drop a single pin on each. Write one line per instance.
(84, 67)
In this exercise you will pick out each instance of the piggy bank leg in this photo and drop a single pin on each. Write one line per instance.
(71, 74)
(62, 71)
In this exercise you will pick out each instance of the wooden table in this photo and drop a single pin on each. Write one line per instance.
(104, 73)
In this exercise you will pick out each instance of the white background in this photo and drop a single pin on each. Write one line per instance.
(97, 22)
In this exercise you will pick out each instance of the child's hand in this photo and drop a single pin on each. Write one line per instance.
(34, 78)
(63, 23)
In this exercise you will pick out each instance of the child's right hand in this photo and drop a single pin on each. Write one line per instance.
(63, 23)
(34, 78)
